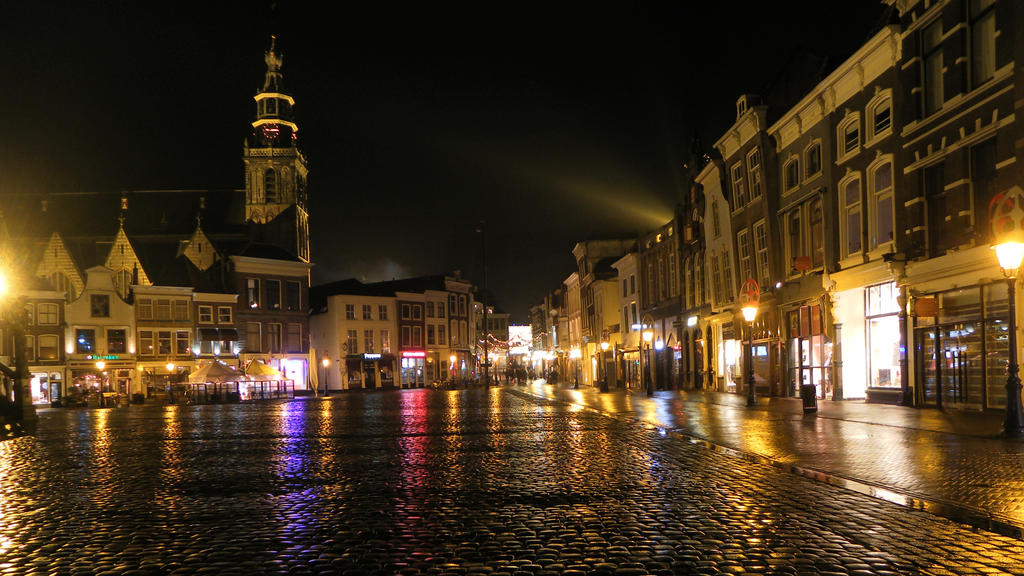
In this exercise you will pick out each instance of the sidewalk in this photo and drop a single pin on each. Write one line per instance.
(953, 464)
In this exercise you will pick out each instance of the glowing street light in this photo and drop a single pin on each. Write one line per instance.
(750, 300)
(648, 336)
(604, 367)
(575, 355)
(1006, 214)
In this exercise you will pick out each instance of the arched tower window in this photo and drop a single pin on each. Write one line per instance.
(270, 186)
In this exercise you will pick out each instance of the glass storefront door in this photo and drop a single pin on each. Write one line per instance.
(963, 352)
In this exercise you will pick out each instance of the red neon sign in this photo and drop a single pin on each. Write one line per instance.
(414, 354)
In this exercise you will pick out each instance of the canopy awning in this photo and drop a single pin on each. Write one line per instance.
(209, 335)
(216, 371)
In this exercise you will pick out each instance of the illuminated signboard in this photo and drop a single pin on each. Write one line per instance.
(414, 354)
(98, 357)
(520, 340)
(370, 356)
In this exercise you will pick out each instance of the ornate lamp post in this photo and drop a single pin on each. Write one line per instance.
(325, 363)
(22, 415)
(604, 367)
(648, 336)
(750, 299)
(1006, 212)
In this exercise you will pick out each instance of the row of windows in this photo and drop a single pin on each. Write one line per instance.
(273, 337)
(629, 286)
(981, 48)
(48, 348)
(382, 312)
(223, 315)
(879, 212)
(161, 309)
(753, 254)
(746, 179)
(42, 314)
(270, 297)
(86, 343)
(352, 343)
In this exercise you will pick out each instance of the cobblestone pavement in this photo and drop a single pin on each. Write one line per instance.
(953, 464)
(436, 482)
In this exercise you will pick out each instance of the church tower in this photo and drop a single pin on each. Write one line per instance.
(275, 169)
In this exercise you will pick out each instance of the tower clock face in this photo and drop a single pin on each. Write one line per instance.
(271, 131)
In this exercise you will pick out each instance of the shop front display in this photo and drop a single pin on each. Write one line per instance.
(413, 372)
(962, 350)
(810, 352)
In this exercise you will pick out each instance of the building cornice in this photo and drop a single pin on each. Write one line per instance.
(270, 266)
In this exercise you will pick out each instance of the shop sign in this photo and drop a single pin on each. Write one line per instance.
(414, 354)
(98, 357)
(926, 306)
(371, 356)
(728, 332)
(802, 263)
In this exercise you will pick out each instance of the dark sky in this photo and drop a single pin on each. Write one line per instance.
(552, 124)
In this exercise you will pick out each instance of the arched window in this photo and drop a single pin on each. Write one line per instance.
(848, 136)
(852, 224)
(270, 186)
(817, 225)
(879, 116)
(881, 205)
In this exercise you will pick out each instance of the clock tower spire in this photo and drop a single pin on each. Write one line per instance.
(275, 169)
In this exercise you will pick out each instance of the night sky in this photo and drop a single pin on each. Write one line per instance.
(552, 124)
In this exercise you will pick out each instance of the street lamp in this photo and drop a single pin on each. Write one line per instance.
(648, 336)
(1010, 254)
(1008, 228)
(750, 301)
(19, 415)
(325, 363)
(604, 367)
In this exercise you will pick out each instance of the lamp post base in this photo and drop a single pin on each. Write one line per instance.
(1013, 424)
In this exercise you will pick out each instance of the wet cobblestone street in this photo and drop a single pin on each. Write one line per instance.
(436, 482)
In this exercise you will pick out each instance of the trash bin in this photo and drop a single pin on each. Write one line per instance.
(808, 393)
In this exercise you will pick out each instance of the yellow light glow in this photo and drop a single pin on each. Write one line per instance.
(604, 346)
(326, 362)
(648, 336)
(170, 366)
(749, 313)
(575, 354)
(1009, 255)
(452, 358)
(3, 284)
(101, 365)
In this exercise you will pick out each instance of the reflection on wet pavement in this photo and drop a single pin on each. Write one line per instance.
(461, 482)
